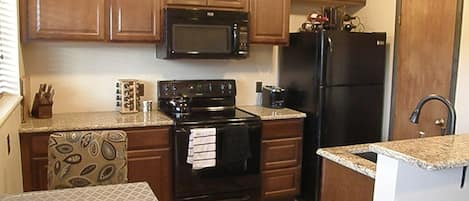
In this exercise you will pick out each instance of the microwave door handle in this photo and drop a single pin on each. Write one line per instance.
(235, 39)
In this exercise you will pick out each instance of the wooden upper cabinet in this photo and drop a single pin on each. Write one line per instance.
(270, 21)
(66, 19)
(187, 2)
(135, 20)
(228, 3)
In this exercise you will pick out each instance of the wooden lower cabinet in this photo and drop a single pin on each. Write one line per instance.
(281, 183)
(149, 159)
(152, 165)
(341, 183)
(281, 159)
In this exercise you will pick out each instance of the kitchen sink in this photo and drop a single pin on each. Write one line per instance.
(371, 156)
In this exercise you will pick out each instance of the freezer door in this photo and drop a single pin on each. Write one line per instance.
(299, 65)
(351, 115)
(354, 58)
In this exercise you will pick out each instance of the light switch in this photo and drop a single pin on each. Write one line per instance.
(8, 145)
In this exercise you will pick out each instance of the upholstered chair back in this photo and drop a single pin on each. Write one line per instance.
(87, 158)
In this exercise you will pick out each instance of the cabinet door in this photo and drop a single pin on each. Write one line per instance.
(66, 19)
(154, 167)
(187, 2)
(270, 21)
(282, 183)
(135, 20)
(228, 3)
(39, 173)
(341, 183)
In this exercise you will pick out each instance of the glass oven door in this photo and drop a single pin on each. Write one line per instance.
(234, 181)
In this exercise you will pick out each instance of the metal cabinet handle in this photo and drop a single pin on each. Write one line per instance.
(421, 134)
(440, 122)
(331, 48)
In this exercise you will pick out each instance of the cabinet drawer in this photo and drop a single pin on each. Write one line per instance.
(282, 129)
(39, 143)
(148, 138)
(281, 153)
(281, 183)
(137, 139)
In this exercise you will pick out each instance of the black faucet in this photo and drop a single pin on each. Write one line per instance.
(414, 118)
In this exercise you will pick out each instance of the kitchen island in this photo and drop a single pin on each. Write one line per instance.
(430, 169)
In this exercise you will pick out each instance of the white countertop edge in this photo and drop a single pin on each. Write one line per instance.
(353, 166)
(8, 103)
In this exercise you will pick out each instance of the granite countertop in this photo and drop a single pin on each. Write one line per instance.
(94, 120)
(344, 155)
(433, 153)
(272, 114)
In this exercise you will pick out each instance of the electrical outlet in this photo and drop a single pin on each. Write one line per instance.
(259, 87)
(8, 144)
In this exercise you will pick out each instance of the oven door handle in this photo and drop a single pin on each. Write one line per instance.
(218, 127)
(244, 198)
(196, 197)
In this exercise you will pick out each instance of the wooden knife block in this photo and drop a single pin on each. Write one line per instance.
(42, 111)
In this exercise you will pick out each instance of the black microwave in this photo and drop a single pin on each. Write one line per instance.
(204, 34)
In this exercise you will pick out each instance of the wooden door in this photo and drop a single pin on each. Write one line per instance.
(133, 20)
(66, 19)
(424, 64)
(228, 3)
(187, 2)
(152, 166)
(270, 21)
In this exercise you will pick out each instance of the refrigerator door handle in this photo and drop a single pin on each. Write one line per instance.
(331, 44)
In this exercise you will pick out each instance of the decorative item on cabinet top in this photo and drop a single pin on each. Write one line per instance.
(335, 2)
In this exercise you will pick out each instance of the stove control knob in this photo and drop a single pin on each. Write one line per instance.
(174, 88)
(222, 87)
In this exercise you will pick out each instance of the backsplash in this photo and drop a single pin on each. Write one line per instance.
(84, 74)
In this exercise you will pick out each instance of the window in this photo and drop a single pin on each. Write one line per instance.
(9, 59)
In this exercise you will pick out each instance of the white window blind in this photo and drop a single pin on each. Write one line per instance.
(9, 62)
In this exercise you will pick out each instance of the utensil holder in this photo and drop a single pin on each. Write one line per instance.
(42, 111)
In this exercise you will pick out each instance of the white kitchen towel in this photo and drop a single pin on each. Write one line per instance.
(202, 150)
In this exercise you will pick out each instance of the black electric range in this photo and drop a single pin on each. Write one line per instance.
(194, 104)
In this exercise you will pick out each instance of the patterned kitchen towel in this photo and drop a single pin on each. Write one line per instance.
(202, 151)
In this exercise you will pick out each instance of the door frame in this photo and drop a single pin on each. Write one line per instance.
(455, 65)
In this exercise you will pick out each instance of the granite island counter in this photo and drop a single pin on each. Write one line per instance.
(430, 169)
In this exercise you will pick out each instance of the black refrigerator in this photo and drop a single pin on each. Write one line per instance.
(337, 79)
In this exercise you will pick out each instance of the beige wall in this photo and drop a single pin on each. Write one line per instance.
(462, 95)
(11, 180)
(84, 74)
